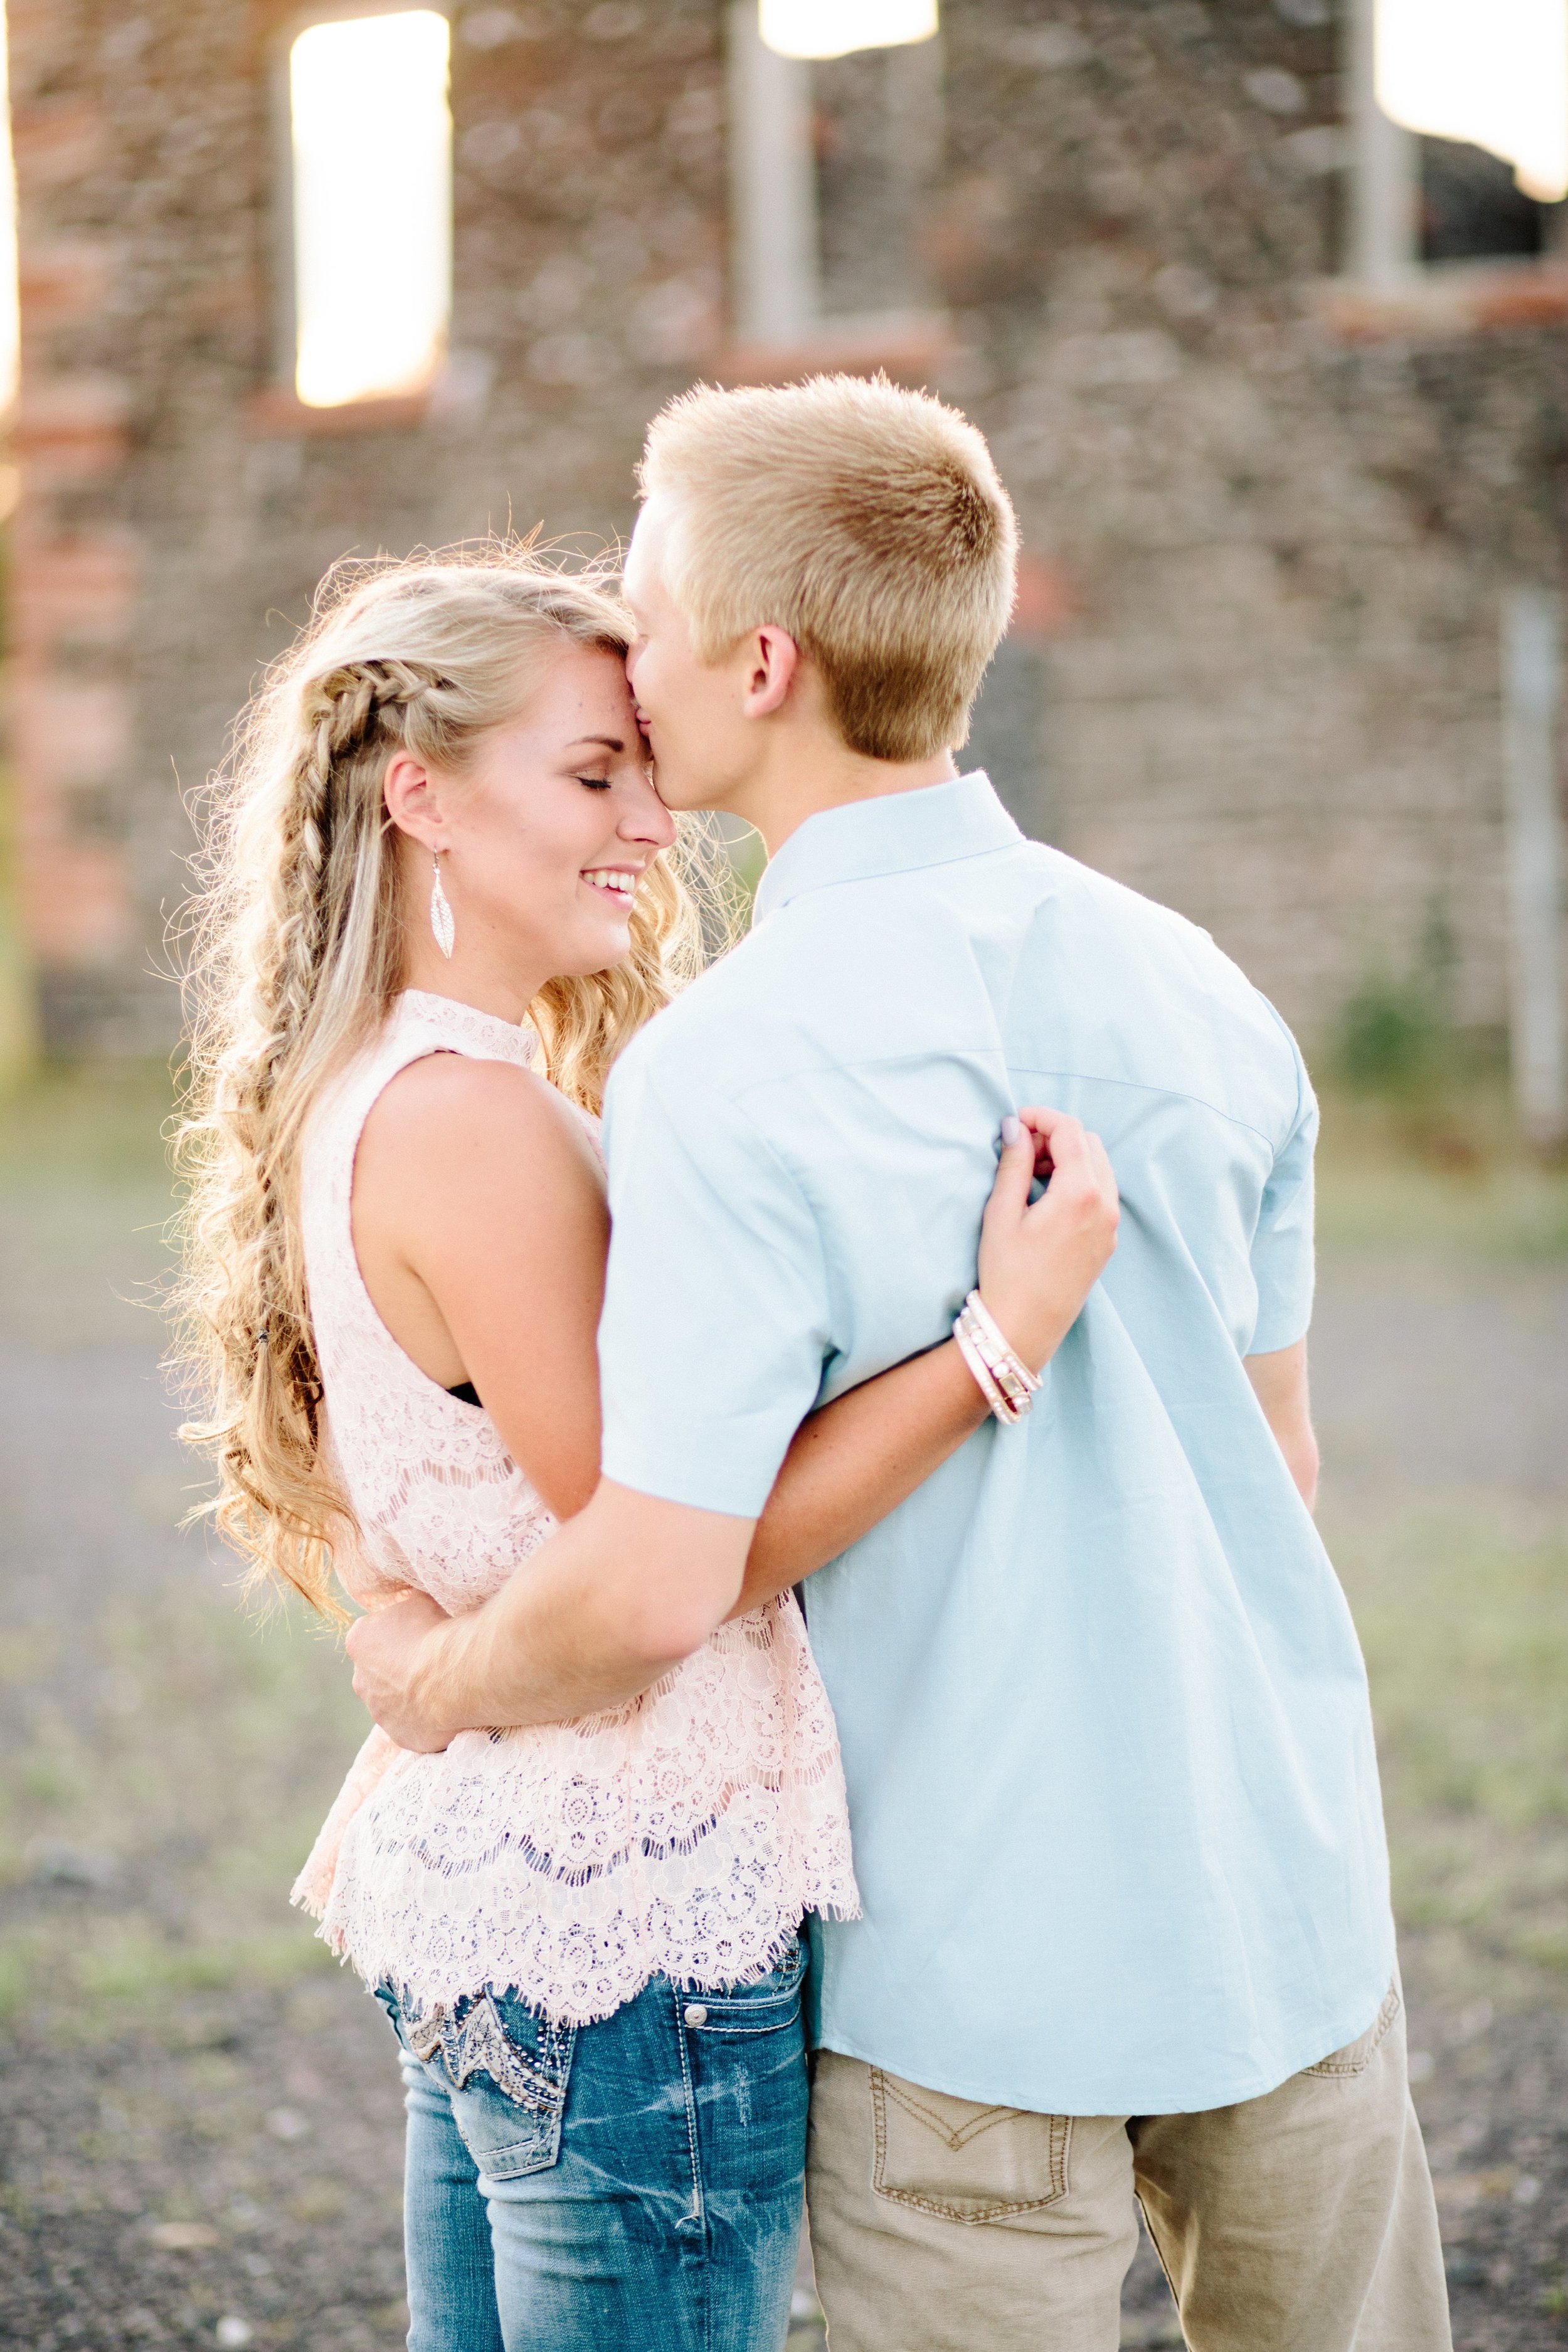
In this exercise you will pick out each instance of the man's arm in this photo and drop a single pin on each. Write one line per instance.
(1279, 1382)
(615, 1600)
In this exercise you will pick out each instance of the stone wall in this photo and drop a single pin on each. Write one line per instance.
(1255, 668)
(1283, 532)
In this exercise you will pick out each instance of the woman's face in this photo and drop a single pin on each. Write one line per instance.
(545, 836)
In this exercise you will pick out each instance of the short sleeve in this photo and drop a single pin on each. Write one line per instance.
(1282, 1249)
(715, 1326)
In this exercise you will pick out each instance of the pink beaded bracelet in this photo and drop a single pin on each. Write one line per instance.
(1004, 1381)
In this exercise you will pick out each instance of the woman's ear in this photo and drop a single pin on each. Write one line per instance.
(414, 800)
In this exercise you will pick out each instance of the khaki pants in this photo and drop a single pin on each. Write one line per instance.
(1302, 2222)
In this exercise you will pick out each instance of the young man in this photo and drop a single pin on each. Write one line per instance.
(1104, 1719)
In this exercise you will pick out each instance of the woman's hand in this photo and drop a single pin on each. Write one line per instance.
(1038, 1264)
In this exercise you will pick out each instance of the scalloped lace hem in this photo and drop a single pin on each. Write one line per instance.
(555, 1977)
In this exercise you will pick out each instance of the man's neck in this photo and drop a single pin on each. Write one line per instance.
(803, 779)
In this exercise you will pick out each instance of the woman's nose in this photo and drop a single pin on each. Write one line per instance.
(648, 820)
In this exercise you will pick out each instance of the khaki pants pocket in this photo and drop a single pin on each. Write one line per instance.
(960, 2161)
(1357, 2055)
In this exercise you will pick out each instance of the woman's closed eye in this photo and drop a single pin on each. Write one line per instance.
(595, 783)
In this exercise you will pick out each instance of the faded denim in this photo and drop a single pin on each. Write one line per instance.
(638, 2182)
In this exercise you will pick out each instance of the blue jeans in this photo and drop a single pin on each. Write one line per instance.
(633, 2186)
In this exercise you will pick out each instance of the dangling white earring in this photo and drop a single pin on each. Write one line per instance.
(441, 922)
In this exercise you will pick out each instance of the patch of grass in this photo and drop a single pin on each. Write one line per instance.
(85, 1197)
(1447, 1190)
(87, 1123)
(1464, 1626)
(126, 1970)
(15, 1975)
(131, 1964)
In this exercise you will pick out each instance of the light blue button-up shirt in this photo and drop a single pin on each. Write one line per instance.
(1104, 1717)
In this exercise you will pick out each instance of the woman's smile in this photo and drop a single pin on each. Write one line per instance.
(617, 883)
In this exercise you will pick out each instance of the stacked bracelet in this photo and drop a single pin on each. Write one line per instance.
(1006, 1382)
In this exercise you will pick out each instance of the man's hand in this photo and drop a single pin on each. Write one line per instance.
(613, 1600)
(393, 1652)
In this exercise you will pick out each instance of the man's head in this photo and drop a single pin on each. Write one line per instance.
(836, 555)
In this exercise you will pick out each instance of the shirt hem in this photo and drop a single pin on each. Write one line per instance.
(697, 1493)
(1121, 2096)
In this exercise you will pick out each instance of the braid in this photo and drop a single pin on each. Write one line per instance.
(356, 708)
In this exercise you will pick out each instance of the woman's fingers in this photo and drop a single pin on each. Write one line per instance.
(1038, 1265)
(1103, 1169)
(1014, 1171)
(1046, 1126)
(1081, 1207)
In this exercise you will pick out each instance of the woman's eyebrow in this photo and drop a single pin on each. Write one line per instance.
(610, 742)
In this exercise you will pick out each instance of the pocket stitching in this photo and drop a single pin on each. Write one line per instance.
(999, 2208)
(1334, 2067)
(728, 2013)
(747, 2032)
(985, 2121)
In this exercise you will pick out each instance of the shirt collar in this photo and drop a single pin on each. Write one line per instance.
(897, 832)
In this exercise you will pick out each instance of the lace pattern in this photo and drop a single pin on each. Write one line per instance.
(683, 1835)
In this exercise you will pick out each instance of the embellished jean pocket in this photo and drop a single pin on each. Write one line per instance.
(506, 2072)
(960, 2161)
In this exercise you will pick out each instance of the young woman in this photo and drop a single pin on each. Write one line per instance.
(443, 891)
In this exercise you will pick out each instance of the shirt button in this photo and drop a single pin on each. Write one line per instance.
(696, 2013)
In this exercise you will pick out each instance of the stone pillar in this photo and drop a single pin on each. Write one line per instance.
(772, 172)
(73, 562)
(1533, 703)
(1384, 177)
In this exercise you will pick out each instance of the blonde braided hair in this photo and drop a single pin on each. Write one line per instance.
(295, 958)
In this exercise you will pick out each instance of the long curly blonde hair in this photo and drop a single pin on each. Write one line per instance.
(293, 959)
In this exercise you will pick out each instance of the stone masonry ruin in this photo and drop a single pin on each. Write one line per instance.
(1270, 512)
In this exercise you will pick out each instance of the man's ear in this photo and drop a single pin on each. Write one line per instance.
(772, 661)
(413, 800)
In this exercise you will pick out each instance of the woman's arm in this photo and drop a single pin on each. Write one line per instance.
(861, 1457)
(480, 1229)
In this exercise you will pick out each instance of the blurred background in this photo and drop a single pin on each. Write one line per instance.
(1264, 307)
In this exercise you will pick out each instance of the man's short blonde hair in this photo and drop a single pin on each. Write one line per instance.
(866, 520)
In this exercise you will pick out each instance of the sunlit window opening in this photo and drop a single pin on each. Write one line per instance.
(1494, 72)
(373, 204)
(831, 28)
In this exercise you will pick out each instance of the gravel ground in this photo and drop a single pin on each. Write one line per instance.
(198, 2114)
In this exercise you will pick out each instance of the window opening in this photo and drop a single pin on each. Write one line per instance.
(1471, 207)
(832, 28)
(1462, 131)
(1491, 73)
(835, 132)
(371, 141)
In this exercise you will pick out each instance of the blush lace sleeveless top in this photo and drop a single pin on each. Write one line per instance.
(683, 1835)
